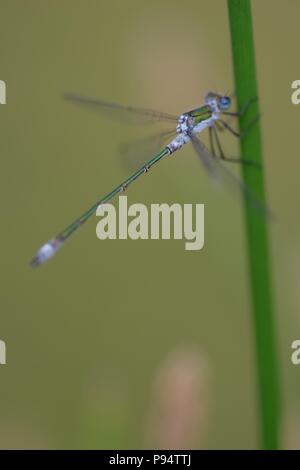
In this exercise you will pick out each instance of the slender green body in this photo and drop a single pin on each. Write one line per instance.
(188, 126)
(266, 354)
(120, 188)
(72, 227)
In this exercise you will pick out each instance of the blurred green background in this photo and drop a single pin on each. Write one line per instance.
(119, 344)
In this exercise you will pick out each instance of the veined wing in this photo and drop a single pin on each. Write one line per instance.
(205, 156)
(121, 112)
(221, 173)
(134, 153)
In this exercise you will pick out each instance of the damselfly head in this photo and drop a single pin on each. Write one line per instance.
(218, 102)
(224, 103)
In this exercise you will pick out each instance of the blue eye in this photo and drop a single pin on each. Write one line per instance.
(225, 102)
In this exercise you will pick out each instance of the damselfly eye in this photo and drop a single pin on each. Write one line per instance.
(225, 102)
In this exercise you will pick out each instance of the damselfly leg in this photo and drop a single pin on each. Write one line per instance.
(221, 125)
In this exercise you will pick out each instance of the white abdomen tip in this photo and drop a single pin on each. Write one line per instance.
(45, 252)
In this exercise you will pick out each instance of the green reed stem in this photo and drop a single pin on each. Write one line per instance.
(256, 225)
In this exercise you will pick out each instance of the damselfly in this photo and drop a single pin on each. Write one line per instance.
(186, 129)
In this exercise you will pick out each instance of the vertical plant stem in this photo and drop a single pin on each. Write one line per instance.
(256, 225)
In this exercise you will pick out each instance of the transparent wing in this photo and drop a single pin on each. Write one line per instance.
(207, 159)
(221, 173)
(120, 112)
(135, 153)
